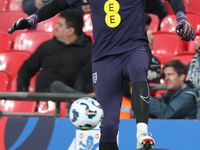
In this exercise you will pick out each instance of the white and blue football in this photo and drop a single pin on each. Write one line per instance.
(85, 113)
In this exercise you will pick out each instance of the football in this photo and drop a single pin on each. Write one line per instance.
(85, 113)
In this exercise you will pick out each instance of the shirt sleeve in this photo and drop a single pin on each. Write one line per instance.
(177, 5)
(71, 2)
(51, 8)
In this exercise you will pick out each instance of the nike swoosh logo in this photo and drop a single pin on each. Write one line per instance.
(89, 113)
(145, 98)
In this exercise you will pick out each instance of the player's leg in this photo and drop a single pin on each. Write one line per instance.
(107, 80)
(140, 103)
(138, 63)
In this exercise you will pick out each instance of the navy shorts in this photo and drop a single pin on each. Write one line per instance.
(108, 77)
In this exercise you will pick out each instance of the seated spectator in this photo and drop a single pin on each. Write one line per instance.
(180, 100)
(194, 68)
(85, 6)
(194, 74)
(59, 59)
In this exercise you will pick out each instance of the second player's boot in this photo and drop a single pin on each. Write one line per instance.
(145, 142)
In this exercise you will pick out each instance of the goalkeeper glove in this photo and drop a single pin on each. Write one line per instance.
(24, 23)
(184, 29)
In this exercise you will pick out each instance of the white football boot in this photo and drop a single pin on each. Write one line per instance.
(145, 142)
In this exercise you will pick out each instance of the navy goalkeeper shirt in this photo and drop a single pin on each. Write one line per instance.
(118, 26)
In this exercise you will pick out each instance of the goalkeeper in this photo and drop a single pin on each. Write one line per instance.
(120, 51)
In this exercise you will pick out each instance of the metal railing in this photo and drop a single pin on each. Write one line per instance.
(37, 96)
(55, 97)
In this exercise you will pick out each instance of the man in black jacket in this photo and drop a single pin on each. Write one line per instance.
(59, 59)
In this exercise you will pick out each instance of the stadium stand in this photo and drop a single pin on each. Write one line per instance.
(5, 41)
(13, 87)
(186, 59)
(13, 16)
(87, 27)
(192, 6)
(194, 44)
(15, 5)
(49, 107)
(26, 42)
(168, 24)
(162, 47)
(167, 7)
(11, 61)
(3, 5)
(48, 25)
(30, 40)
(17, 106)
(155, 23)
(4, 81)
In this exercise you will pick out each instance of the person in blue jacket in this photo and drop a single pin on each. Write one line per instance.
(180, 100)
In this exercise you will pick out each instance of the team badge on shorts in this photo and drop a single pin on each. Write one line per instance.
(94, 77)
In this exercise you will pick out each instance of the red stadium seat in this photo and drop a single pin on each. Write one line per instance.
(49, 107)
(155, 23)
(4, 81)
(167, 45)
(10, 18)
(30, 40)
(194, 44)
(5, 41)
(186, 59)
(48, 25)
(3, 5)
(15, 5)
(11, 61)
(169, 23)
(168, 7)
(88, 27)
(192, 6)
(31, 86)
(17, 106)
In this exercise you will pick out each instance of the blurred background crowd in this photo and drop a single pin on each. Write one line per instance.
(54, 56)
